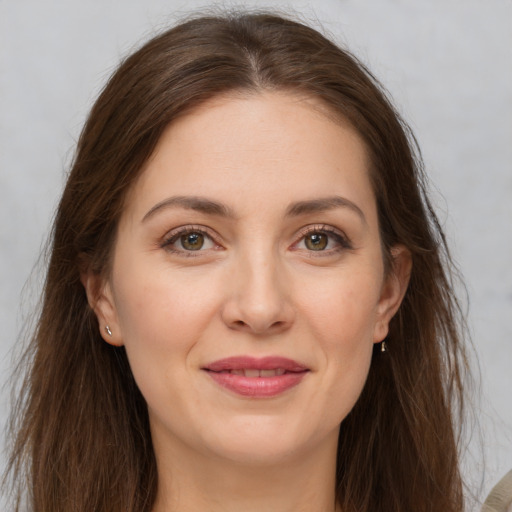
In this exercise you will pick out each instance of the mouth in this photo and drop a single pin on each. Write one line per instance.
(256, 377)
(253, 372)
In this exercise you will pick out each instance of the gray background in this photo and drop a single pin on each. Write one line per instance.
(447, 63)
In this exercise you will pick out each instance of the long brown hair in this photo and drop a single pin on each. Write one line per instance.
(82, 439)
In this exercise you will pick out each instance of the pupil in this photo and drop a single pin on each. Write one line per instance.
(316, 241)
(192, 241)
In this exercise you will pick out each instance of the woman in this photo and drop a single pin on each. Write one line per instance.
(248, 304)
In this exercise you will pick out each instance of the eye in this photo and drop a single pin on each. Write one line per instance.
(322, 239)
(316, 241)
(192, 241)
(188, 239)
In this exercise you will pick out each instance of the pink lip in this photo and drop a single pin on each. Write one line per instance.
(256, 387)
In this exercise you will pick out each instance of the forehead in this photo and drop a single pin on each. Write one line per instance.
(267, 146)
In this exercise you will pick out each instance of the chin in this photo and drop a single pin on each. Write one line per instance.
(257, 452)
(263, 442)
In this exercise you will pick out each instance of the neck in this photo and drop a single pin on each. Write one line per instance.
(193, 482)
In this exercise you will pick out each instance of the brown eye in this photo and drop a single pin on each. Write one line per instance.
(323, 240)
(316, 241)
(192, 241)
(189, 241)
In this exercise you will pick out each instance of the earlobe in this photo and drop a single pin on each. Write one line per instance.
(393, 290)
(100, 298)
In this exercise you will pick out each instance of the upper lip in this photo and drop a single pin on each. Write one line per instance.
(255, 363)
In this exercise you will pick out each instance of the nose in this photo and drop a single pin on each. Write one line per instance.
(258, 300)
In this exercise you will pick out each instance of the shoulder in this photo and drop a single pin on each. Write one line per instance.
(500, 497)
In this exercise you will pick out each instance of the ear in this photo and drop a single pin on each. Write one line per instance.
(101, 300)
(393, 290)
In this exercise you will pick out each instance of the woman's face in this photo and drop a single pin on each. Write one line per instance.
(248, 284)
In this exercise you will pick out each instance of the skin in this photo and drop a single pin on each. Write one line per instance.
(254, 288)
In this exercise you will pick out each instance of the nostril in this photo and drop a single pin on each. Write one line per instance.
(240, 324)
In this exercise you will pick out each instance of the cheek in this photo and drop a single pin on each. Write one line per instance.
(342, 309)
(162, 316)
(342, 318)
(159, 305)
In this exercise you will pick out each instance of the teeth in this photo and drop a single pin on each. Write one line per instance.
(258, 373)
(268, 373)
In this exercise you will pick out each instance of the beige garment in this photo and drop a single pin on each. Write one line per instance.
(500, 497)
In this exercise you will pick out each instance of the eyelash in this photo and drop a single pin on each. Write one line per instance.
(341, 239)
(176, 234)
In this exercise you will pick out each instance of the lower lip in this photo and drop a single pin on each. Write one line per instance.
(257, 387)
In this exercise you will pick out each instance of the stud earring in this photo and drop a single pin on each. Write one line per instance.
(383, 347)
(107, 329)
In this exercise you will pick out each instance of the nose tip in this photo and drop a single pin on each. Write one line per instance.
(259, 304)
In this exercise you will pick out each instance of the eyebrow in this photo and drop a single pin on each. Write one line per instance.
(198, 204)
(211, 207)
(323, 204)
